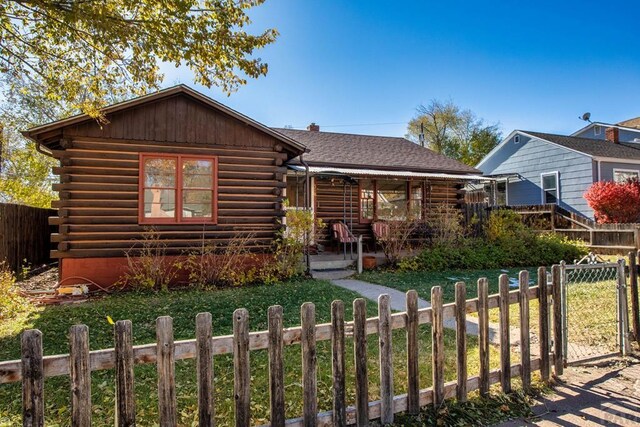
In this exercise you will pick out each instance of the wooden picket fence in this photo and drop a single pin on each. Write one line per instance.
(33, 368)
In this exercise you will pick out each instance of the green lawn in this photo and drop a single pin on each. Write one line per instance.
(143, 308)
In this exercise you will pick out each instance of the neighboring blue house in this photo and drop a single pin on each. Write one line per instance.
(534, 168)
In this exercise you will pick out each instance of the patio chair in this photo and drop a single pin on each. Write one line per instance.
(341, 234)
(380, 233)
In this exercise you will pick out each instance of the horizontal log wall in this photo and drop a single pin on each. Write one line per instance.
(98, 206)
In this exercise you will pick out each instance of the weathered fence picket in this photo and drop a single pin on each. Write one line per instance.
(276, 366)
(461, 341)
(385, 359)
(543, 324)
(32, 379)
(339, 416)
(204, 368)
(241, 367)
(80, 362)
(125, 397)
(166, 372)
(525, 346)
(80, 374)
(556, 285)
(360, 356)
(437, 345)
(483, 334)
(309, 364)
(413, 378)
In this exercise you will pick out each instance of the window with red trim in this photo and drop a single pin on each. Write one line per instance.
(176, 188)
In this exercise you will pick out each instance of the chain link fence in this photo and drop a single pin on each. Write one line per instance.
(592, 311)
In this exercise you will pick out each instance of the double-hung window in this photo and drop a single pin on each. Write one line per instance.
(550, 188)
(178, 189)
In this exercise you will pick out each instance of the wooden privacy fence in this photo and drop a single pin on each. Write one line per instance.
(25, 234)
(33, 368)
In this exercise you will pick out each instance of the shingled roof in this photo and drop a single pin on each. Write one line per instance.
(372, 152)
(592, 147)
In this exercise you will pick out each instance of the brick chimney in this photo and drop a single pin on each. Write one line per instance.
(313, 128)
(612, 134)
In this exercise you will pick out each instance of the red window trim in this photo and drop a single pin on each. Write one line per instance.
(178, 219)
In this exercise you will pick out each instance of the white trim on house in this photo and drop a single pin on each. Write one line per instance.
(542, 189)
(634, 171)
(378, 172)
(604, 125)
(617, 160)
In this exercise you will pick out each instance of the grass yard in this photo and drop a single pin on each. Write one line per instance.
(143, 308)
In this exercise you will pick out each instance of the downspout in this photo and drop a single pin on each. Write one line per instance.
(307, 207)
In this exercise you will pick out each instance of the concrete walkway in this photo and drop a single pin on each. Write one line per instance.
(607, 393)
(372, 291)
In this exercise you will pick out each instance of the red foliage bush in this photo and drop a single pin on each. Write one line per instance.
(615, 202)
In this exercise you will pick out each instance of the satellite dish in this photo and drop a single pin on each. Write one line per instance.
(586, 117)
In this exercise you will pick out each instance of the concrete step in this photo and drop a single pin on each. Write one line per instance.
(332, 274)
(332, 264)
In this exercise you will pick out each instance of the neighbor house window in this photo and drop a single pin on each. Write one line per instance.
(623, 175)
(176, 188)
(550, 188)
(597, 130)
(516, 139)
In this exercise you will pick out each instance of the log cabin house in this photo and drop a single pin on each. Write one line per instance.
(190, 167)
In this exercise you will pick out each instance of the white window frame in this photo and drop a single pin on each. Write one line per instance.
(516, 139)
(615, 170)
(597, 130)
(542, 192)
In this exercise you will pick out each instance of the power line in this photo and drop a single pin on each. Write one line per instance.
(352, 125)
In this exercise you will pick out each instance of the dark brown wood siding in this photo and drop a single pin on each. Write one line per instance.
(98, 206)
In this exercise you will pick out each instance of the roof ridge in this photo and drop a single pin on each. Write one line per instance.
(341, 133)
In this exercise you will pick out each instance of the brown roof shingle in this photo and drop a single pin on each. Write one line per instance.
(372, 152)
(592, 147)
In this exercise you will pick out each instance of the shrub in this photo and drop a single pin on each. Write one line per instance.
(147, 265)
(445, 224)
(215, 266)
(504, 225)
(11, 302)
(615, 202)
(475, 253)
(397, 240)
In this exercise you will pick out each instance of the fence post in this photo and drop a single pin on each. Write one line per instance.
(543, 319)
(125, 396)
(525, 346)
(633, 284)
(505, 336)
(483, 334)
(359, 264)
(204, 369)
(166, 371)
(556, 284)
(413, 380)
(437, 346)
(360, 356)
(32, 379)
(385, 352)
(80, 375)
(309, 364)
(623, 309)
(337, 364)
(461, 341)
(241, 368)
(276, 368)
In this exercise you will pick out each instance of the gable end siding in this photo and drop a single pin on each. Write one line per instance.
(532, 157)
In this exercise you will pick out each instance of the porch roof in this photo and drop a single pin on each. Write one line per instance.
(329, 170)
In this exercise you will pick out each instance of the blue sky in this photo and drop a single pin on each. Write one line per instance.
(525, 65)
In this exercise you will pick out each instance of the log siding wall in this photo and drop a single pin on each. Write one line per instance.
(99, 169)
